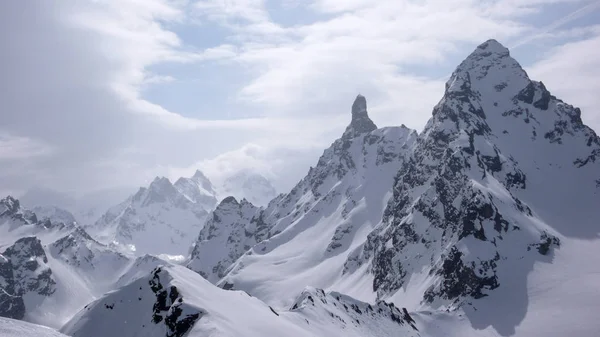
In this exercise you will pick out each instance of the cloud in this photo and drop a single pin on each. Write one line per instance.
(12, 148)
(283, 165)
(73, 73)
(77, 113)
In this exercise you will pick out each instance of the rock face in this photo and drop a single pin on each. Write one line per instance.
(469, 205)
(361, 123)
(384, 318)
(233, 228)
(160, 219)
(23, 271)
(11, 304)
(12, 212)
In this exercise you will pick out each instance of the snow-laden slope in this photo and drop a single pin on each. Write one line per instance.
(174, 301)
(17, 222)
(48, 272)
(14, 328)
(48, 284)
(161, 219)
(307, 234)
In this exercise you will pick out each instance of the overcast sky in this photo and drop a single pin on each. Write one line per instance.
(102, 94)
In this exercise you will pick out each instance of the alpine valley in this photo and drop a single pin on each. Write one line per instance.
(486, 223)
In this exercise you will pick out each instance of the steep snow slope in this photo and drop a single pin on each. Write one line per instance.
(174, 301)
(48, 284)
(14, 328)
(308, 233)
(231, 230)
(161, 219)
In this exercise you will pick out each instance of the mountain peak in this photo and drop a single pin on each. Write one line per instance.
(9, 205)
(491, 47)
(160, 182)
(198, 175)
(361, 123)
(229, 200)
(488, 69)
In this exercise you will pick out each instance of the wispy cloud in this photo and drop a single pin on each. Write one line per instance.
(14, 148)
(82, 71)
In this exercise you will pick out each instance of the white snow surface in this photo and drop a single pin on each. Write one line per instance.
(15, 328)
(323, 219)
(128, 311)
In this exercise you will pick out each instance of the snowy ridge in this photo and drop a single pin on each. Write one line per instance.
(14, 328)
(232, 229)
(324, 217)
(173, 213)
(174, 301)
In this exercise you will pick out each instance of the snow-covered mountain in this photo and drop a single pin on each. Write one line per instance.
(502, 173)
(315, 226)
(160, 219)
(49, 271)
(174, 301)
(249, 185)
(17, 222)
(504, 178)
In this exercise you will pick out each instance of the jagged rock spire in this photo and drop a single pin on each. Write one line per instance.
(361, 123)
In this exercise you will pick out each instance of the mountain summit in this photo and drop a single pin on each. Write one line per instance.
(361, 123)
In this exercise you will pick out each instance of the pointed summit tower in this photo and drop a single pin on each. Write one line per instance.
(361, 123)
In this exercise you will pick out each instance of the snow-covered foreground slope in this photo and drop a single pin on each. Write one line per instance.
(49, 271)
(560, 298)
(306, 235)
(14, 328)
(161, 219)
(174, 301)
